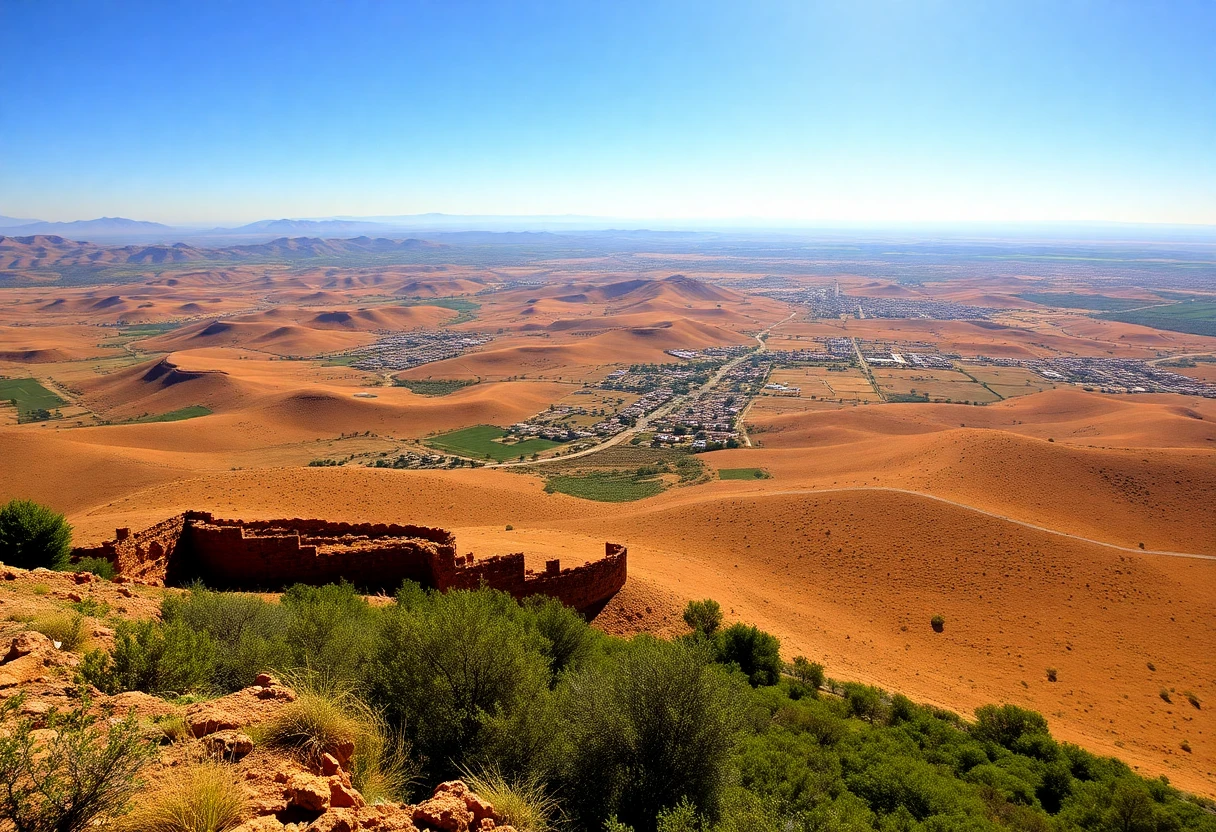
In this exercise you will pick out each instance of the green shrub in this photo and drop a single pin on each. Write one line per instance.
(567, 639)
(75, 776)
(938, 623)
(330, 630)
(464, 679)
(704, 617)
(645, 730)
(865, 702)
(32, 535)
(154, 658)
(100, 567)
(808, 676)
(1007, 725)
(248, 632)
(205, 797)
(756, 653)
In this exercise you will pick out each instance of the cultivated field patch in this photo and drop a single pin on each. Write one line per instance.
(28, 396)
(846, 384)
(935, 385)
(481, 442)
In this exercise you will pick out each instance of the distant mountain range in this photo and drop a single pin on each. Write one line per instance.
(123, 230)
(48, 251)
(103, 227)
(120, 230)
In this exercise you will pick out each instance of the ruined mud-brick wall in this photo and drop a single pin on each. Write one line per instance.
(583, 587)
(143, 555)
(272, 554)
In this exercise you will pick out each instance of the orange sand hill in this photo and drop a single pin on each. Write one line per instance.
(48, 344)
(267, 336)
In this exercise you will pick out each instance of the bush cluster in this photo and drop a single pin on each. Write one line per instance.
(705, 733)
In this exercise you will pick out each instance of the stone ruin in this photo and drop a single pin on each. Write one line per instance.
(268, 555)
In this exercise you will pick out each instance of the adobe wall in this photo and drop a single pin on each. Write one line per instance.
(142, 555)
(585, 588)
(273, 554)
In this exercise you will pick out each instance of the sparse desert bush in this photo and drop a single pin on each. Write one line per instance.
(92, 607)
(523, 803)
(78, 774)
(1192, 698)
(205, 797)
(1052, 674)
(938, 623)
(1185, 746)
(1164, 694)
(66, 629)
(32, 535)
(100, 567)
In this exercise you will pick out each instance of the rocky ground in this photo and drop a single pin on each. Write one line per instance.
(282, 790)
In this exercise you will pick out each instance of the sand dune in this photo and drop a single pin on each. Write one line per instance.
(266, 335)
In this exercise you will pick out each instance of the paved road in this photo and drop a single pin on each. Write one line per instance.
(955, 503)
(646, 420)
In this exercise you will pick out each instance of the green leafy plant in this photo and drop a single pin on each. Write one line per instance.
(32, 535)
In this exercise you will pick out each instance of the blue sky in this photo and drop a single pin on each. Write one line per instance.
(856, 110)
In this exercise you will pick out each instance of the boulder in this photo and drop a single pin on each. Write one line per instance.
(261, 823)
(342, 795)
(228, 745)
(445, 811)
(32, 657)
(307, 792)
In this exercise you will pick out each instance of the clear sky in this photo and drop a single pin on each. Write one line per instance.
(848, 110)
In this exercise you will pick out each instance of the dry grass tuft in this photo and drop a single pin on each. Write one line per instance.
(523, 804)
(66, 629)
(325, 717)
(206, 797)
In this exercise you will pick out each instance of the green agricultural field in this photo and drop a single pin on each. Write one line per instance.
(191, 412)
(1076, 300)
(478, 442)
(1193, 317)
(432, 387)
(743, 474)
(466, 308)
(606, 486)
(29, 396)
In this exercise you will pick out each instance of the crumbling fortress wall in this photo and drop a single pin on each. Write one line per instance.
(272, 554)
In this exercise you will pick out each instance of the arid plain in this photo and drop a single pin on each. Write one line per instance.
(1056, 524)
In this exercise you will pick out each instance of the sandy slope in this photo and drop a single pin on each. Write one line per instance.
(838, 576)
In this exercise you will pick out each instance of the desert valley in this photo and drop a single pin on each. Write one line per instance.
(837, 443)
